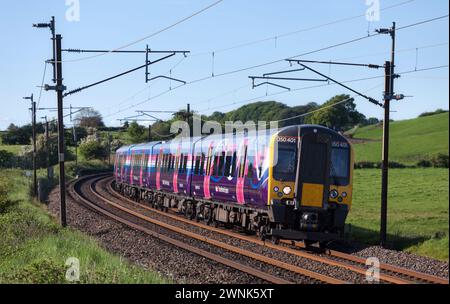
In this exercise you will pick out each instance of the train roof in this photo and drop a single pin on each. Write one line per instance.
(137, 147)
(144, 146)
(220, 137)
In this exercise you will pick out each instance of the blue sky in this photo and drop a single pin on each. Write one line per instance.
(110, 24)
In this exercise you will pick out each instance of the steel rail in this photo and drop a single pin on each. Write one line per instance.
(240, 251)
(383, 277)
(416, 276)
(256, 273)
(392, 268)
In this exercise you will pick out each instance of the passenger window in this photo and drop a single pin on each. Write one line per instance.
(197, 165)
(208, 162)
(202, 164)
(228, 160)
(221, 164)
(186, 158)
(242, 164)
(233, 164)
(250, 170)
(180, 163)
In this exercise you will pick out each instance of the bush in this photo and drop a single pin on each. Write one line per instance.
(396, 165)
(378, 165)
(438, 111)
(424, 163)
(5, 158)
(41, 147)
(5, 203)
(440, 161)
(92, 148)
(42, 271)
(367, 165)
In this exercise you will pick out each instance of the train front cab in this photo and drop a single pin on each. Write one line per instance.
(310, 184)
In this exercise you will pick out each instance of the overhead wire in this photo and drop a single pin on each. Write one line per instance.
(148, 36)
(283, 60)
(324, 85)
(280, 36)
(286, 34)
(42, 83)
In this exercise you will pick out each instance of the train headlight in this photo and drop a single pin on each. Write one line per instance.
(334, 194)
(276, 189)
(344, 194)
(287, 190)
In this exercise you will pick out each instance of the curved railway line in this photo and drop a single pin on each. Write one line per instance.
(96, 192)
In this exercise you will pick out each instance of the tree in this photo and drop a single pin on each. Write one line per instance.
(69, 136)
(438, 111)
(92, 148)
(136, 133)
(286, 114)
(5, 158)
(15, 135)
(89, 118)
(372, 121)
(41, 147)
(339, 117)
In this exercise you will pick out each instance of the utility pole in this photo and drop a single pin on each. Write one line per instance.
(47, 146)
(188, 114)
(33, 123)
(385, 154)
(109, 149)
(75, 140)
(388, 96)
(59, 90)
(150, 132)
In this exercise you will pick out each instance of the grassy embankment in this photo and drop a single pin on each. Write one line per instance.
(410, 140)
(418, 210)
(34, 249)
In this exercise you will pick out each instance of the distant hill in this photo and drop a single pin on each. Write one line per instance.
(264, 111)
(411, 140)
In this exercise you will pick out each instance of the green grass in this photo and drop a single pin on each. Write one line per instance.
(15, 149)
(34, 249)
(411, 140)
(418, 210)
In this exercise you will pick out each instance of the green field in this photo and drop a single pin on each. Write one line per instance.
(411, 140)
(34, 249)
(15, 149)
(418, 209)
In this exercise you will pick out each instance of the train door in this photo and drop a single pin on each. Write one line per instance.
(123, 164)
(158, 168)
(208, 171)
(132, 158)
(178, 161)
(242, 172)
(314, 170)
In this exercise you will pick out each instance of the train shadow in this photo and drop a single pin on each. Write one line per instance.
(358, 238)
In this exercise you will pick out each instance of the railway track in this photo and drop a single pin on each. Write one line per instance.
(74, 190)
(392, 270)
(388, 273)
